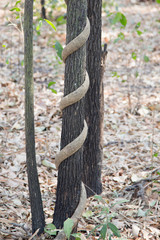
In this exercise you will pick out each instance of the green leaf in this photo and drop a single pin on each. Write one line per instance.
(138, 25)
(68, 225)
(50, 229)
(136, 74)
(92, 231)
(59, 49)
(39, 25)
(146, 59)
(60, 20)
(50, 84)
(77, 236)
(49, 87)
(6, 5)
(17, 3)
(152, 203)
(15, 9)
(139, 32)
(109, 13)
(114, 229)
(134, 55)
(110, 237)
(141, 213)
(158, 1)
(121, 36)
(7, 61)
(115, 74)
(50, 226)
(123, 20)
(3, 45)
(117, 18)
(50, 23)
(116, 40)
(53, 90)
(98, 197)
(22, 63)
(119, 202)
(103, 231)
(155, 155)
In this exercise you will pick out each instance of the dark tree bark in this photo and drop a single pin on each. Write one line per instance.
(43, 10)
(93, 147)
(70, 170)
(33, 183)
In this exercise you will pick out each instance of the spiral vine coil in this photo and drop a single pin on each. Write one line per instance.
(74, 97)
(66, 101)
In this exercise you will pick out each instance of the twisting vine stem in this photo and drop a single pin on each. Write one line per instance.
(66, 101)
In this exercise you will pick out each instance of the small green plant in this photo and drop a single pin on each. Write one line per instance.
(49, 87)
(50, 229)
(106, 228)
(119, 17)
(57, 44)
(58, 47)
(61, 20)
(17, 11)
(17, 23)
(67, 228)
(51, 24)
(38, 26)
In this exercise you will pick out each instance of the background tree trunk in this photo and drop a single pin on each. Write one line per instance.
(43, 10)
(70, 170)
(33, 183)
(93, 147)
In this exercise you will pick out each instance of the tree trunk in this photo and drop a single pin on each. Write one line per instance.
(93, 147)
(43, 10)
(34, 188)
(70, 170)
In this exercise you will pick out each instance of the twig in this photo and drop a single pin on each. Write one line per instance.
(120, 142)
(154, 170)
(34, 234)
(15, 26)
(134, 185)
(128, 219)
(153, 119)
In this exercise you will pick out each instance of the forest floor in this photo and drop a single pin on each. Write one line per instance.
(131, 165)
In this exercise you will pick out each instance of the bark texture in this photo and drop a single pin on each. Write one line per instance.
(33, 183)
(70, 170)
(93, 147)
